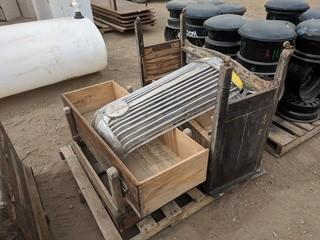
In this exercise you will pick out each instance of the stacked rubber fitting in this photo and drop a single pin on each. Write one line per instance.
(173, 27)
(287, 10)
(312, 13)
(223, 33)
(301, 98)
(232, 8)
(175, 7)
(196, 15)
(261, 45)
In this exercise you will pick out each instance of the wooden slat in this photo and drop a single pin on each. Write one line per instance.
(103, 28)
(112, 25)
(124, 17)
(289, 127)
(280, 136)
(316, 123)
(123, 7)
(170, 57)
(121, 27)
(285, 136)
(104, 222)
(166, 70)
(151, 53)
(196, 194)
(171, 209)
(300, 140)
(116, 189)
(200, 129)
(102, 14)
(168, 62)
(36, 205)
(147, 224)
(95, 180)
(186, 211)
(125, 24)
(305, 126)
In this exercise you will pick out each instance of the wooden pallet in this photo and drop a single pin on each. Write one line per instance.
(93, 192)
(174, 212)
(120, 7)
(121, 14)
(285, 135)
(103, 28)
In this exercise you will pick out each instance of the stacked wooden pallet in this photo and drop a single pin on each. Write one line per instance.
(121, 14)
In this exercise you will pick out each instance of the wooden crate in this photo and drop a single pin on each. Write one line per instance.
(285, 136)
(93, 187)
(21, 212)
(240, 126)
(157, 60)
(154, 174)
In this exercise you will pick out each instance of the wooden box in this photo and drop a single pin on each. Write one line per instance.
(154, 174)
(236, 130)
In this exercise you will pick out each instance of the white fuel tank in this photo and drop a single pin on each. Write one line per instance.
(40, 53)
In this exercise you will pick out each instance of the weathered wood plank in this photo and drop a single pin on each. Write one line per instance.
(104, 222)
(171, 209)
(116, 189)
(285, 136)
(280, 136)
(147, 224)
(36, 205)
(95, 180)
(305, 126)
(186, 211)
(289, 127)
(196, 194)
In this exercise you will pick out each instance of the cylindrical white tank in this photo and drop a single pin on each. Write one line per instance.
(40, 53)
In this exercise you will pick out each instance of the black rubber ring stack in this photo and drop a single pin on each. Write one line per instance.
(223, 33)
(262, 43)
(301, 96)
(196, 15)
(287, 10)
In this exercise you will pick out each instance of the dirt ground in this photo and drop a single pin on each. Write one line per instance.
(283, 204)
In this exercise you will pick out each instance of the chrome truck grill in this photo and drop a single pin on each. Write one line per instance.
(132, 121)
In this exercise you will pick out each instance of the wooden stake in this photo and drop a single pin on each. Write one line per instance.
(116, 189)
(105, 224)
(140, 49)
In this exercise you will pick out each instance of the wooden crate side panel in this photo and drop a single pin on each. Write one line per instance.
(107, 158)
(8, 229)
(186, 146)
(181, 144)
(161, 59)
(119, 91)
(198, 133)
(93, 97)
(162, 49)
(245, 132)
(11, 172)
(164, 187)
